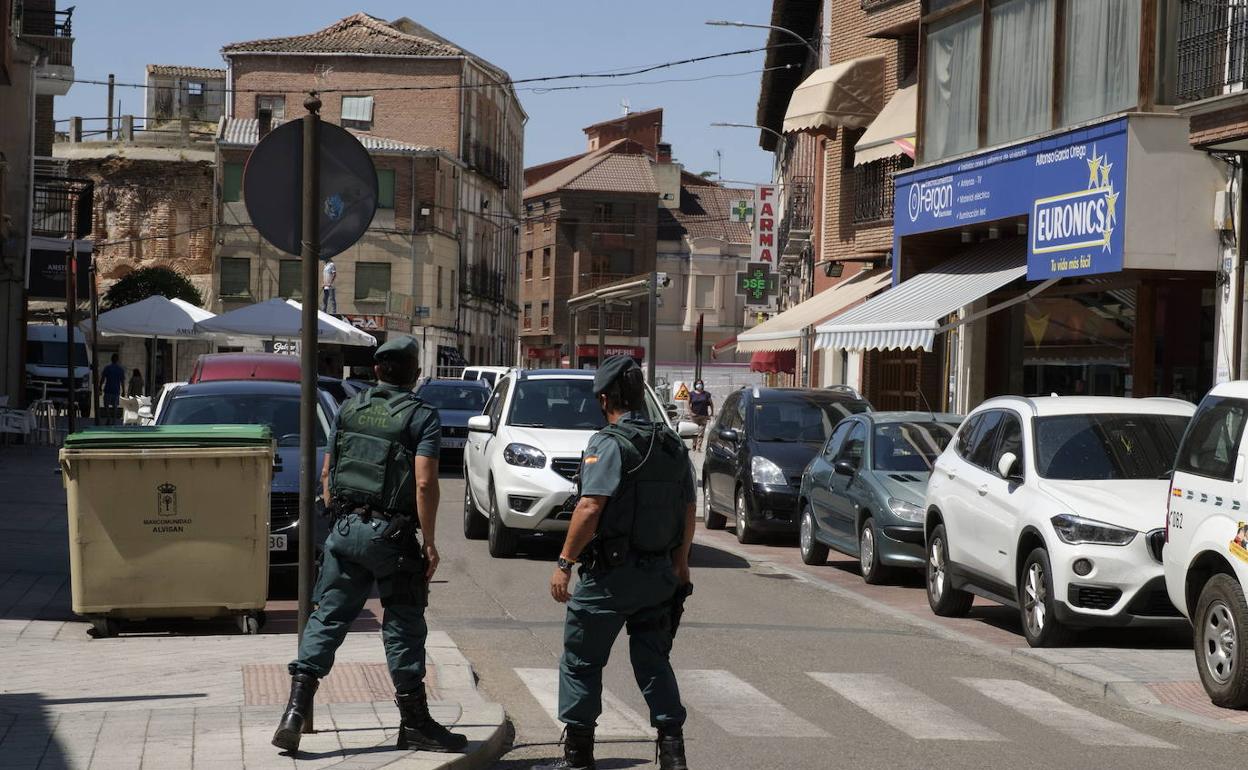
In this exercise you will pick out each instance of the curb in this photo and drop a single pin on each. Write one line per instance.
(489, 736)
(1085, 677)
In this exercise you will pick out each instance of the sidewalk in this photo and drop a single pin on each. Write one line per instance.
(187, 694)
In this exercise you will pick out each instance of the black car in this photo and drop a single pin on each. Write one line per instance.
(456, 401)
(759, 447)
(275, 404)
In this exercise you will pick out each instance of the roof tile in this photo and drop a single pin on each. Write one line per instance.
(245, 132)
(358, 33)
(182, 71)
(703, 213)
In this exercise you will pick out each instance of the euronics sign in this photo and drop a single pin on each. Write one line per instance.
(1071, 186)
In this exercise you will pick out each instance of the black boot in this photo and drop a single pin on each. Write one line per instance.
(418, 731)
(290, 729)
(671, 749)
(578, 750)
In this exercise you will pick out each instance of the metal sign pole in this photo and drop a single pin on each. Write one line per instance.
(653, 310)
(310, 254)
(71, 394)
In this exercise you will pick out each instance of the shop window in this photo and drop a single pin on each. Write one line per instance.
(372, 281)
(951, 109)
(1020, 70)
(357, 112)
(274, 103)
(385, 188)
(235, 277)
(290, 279)
(232, 182)
(1101, 58)
(704, 292)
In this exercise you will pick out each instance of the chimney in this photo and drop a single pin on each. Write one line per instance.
(667, 177)
(264, 119)
(663, 152)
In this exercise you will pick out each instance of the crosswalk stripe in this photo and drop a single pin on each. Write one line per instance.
(618, 720)
(737, 707)
(905, 708)
(1051, 711)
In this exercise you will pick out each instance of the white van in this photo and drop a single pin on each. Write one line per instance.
(1205, 556)
(46, 363)
(487, 374)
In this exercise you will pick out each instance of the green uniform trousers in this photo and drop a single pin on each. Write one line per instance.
(633, 593)
(352, 562)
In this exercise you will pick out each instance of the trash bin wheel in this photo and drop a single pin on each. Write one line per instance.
(249, 624)
(102, 627)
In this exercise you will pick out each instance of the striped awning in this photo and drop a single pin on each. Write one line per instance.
(909, 315)
(784, 331)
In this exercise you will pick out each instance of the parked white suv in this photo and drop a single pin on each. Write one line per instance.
(1055, 506)
(1206, 553)
(525, 450)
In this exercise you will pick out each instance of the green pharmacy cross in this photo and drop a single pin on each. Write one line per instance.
(758, 284)
(742, 211)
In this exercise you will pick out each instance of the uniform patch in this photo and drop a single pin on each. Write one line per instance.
(1239, 546)
(590, 459)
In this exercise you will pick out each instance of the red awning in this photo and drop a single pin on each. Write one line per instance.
(721, 347)
(774, 361)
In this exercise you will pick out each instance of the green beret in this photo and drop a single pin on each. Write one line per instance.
(399, 348)
(611, 368)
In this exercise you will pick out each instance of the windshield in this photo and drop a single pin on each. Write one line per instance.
(1107, 446)
(800, 419)
(909, 446)
(280, 413)
(557, 404)
(53, 353)
(467, 398)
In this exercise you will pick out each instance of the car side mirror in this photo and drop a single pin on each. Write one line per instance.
(481, 423)
(729, 435)
(845, 467)
(1007, 467)
(686, 429)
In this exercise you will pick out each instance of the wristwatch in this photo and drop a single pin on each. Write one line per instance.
(565, 564)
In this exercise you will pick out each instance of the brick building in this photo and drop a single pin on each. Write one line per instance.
(447, 131)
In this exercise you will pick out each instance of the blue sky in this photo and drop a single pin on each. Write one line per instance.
(525, 38)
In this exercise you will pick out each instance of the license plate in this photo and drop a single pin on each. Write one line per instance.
(453, 443)
(277, 542)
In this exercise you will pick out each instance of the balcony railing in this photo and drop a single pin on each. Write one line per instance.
(483, 159)
(50, 30)
(482, 283)
(612, 321)
(589, 281)
(794, 231)
(873, 189)
(1212, 48)
(62, 208)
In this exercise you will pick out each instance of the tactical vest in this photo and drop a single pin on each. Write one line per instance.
(648, 506)
(373, 458)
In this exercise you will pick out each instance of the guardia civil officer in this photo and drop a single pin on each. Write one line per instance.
(632, 529)
(380, 478)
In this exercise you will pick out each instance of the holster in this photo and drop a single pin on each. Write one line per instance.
(407, 584)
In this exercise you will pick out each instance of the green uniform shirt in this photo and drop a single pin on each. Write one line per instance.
(424, 431)
(602, 466)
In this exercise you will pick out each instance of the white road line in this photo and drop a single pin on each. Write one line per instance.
(618, 720)
(905, 708)
(1051, 711)
(739, 708)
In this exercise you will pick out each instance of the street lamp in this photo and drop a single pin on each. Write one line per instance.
(724, 23)
(773, 132)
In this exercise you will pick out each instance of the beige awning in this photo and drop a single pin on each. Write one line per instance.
(784, 331)
(848, 93)
(893, 130)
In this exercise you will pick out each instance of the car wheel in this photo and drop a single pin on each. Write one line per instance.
(1036, 603)
(874, 572)
(746, 534)
(710, 518)
(503, 540)
(1221, 618)
(945, 600)
(813, 552)
(476, 526)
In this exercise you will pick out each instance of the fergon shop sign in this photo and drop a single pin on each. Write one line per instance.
(1071, 187)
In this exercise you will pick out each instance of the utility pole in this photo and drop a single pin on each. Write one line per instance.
(654, 301)
(310, 251)
(108, 130)
(70, 320)
(95, 344)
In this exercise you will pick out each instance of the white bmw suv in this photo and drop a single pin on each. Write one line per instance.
(525, 450)
(1056, 506)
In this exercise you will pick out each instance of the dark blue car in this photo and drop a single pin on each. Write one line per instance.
(275, 404)
(456, 401)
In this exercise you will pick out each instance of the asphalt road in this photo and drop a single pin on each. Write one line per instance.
(778, 673)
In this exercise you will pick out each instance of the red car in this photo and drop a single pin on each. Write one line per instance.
(274, 367)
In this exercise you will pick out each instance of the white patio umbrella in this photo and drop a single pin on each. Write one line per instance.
(154, 318)
(282, 319)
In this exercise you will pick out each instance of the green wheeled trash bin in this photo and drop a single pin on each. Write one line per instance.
(169, 522)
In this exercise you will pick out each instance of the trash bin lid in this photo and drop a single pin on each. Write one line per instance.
(152, 436)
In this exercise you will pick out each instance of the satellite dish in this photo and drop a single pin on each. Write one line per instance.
(273, 183)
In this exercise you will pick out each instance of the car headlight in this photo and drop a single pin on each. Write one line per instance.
(764, 471)
(524, 455)
(908, 511)
(1074, 530)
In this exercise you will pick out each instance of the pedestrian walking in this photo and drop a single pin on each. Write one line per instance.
(112, 379)
(136, 384)
(329, 295)
(631, 532)
(702, 407)
(380, 481)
